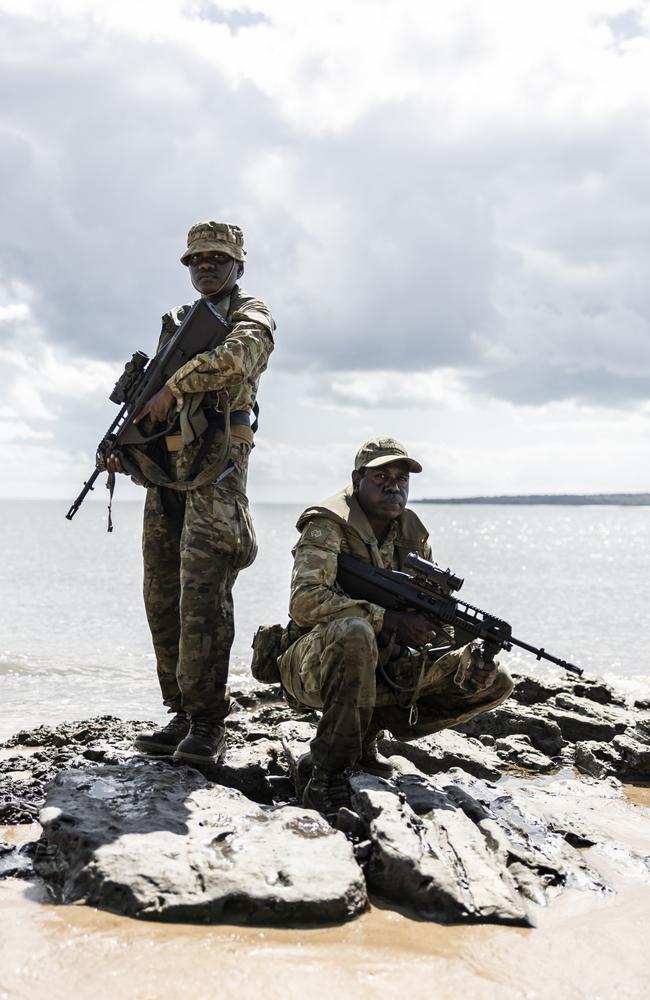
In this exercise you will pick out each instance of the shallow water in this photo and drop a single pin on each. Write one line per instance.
(74, 640)
(586, 946)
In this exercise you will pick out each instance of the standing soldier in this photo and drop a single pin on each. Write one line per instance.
(195, 543)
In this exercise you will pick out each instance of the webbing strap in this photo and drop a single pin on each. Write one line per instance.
(157, 476)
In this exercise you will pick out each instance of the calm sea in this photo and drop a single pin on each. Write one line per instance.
(74, 639)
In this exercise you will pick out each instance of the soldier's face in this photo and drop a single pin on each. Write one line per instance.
(383, 491)
(212, 272)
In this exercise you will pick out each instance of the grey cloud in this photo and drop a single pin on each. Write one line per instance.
(206, 10)
(100, 182)
(629, 24)
(527, 241)
(535, 385)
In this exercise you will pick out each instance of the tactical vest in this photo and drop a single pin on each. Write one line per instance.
(358, 537)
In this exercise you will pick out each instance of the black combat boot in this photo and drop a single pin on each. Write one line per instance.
(166, 739)
(371, 760)
(205, 742)
(326, 792)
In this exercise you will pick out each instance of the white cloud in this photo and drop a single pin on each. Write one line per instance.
(443, 203)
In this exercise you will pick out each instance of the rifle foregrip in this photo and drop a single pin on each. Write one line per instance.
(88, 486)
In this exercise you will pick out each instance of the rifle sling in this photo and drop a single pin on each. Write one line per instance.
(156, 476)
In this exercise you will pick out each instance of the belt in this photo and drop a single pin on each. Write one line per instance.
(240, 428)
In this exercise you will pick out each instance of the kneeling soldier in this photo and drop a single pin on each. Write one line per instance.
(369, 669)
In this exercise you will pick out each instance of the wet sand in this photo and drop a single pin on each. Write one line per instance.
(585, 946)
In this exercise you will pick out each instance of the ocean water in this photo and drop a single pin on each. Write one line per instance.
(74, 640)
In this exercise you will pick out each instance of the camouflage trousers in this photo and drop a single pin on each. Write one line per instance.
(334, 668)
(191, 563)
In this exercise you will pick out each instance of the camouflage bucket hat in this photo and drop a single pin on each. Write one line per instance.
(381, 451)
(215, 236)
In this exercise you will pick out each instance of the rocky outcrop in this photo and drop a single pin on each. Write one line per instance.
(464, 831)
(150, 840)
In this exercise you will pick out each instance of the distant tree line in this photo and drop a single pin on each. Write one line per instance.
(554, 499)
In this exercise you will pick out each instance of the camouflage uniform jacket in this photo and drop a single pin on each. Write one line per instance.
(339, 524)
(236, 365)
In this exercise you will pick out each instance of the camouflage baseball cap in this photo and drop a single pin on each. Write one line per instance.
(215, 236)
(381, 451)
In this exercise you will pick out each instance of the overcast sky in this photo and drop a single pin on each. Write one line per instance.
(446, 207)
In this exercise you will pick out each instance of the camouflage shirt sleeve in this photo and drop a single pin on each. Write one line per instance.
(243, 355)
(316, 598)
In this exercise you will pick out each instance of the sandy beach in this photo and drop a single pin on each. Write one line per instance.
(585, 946)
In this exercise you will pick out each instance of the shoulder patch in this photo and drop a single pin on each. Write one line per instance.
(322, 534)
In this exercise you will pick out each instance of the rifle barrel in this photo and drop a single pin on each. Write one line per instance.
(541, 654)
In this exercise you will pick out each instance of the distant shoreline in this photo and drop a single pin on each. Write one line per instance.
(552, 500)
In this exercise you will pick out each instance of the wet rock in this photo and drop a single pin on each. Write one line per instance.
(530, 690)
(103, 728)
(532, 841)
(456, 848)
(253, 759)
(438, 864)
(584, 812)
(597, 691)
(16, 860)
(583, 719)
(533, 691)
(453, 836)
(296, 737)
(162, 843)
(444, 750)
(512, 720)
(249, 767)
(518, 751)
(624, 757)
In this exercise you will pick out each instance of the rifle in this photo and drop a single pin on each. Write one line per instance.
(203, 328)
(429, 590)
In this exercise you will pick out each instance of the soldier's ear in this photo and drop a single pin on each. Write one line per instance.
(356, 479)
(240, 269)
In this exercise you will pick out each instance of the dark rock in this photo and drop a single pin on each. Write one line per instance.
(518, 751)
(256, 696)
(511, 720)
(248, 767)
(438, 864)
(444, 750)
(643, 704)
(156, 842)
(102, 728)
(443, 839)
(296, 737)
(16, 861)
(533, 691)
(641, 730)
(597, 691)
(582, 719)
(624, 757)
(536, 839)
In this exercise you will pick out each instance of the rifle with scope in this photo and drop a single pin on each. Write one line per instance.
(430, 590)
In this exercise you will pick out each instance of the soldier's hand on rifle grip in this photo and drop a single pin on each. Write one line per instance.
(412, 628)
(474, 673)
